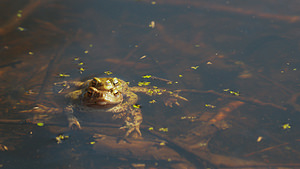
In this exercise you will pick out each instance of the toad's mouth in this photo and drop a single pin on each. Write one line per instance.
(100, 103)
(100, 98)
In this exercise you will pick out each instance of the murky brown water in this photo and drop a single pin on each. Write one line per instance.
(237, 62)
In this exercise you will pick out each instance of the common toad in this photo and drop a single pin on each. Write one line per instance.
(110, 94)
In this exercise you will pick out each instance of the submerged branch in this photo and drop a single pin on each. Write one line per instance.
(246, 99)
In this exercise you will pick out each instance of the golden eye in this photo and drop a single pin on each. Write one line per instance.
(115, 92)
(115, 81)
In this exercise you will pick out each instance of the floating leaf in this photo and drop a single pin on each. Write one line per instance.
(60, 138)
(152, 24)
(81, 69)
(162, 143)
(234, 93)
(21, 29)
(150, 92)
(136, 106)
(146, 76)
(19, 14)
(63, 75)
(163, 129)
(108, 72)
(286, 126)
(143, 57)
(143, 83)
(194, 67)
(152, 101)
(40, 124)
(209, 105)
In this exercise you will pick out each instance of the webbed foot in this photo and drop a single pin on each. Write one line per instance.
(133, 122)
(131, 128)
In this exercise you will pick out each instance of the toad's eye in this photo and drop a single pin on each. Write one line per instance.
(115, 81)
(116, 92)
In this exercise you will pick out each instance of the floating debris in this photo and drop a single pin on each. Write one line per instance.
(81, 70)
(19, 14)
(146, 76)
(21, 29)
(144, 83)
(3, 148)
(60, 138)
(162, 143)
(235, 93)
(152, 101)
(137, 106)
(259, 139)
(210, 106)
(63, 75)
(163, 129)
(194, 67)
(143, 57)
(40, 124)
(152, 24)
(108, 72)
(286, 126)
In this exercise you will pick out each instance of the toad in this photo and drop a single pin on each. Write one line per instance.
(110, 94)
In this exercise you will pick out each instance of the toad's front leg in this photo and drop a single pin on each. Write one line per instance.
(133, 121)
(73, 122)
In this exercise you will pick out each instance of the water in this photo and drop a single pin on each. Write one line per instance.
(237, 64)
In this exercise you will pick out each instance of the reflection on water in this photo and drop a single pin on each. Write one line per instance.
(236, 63)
